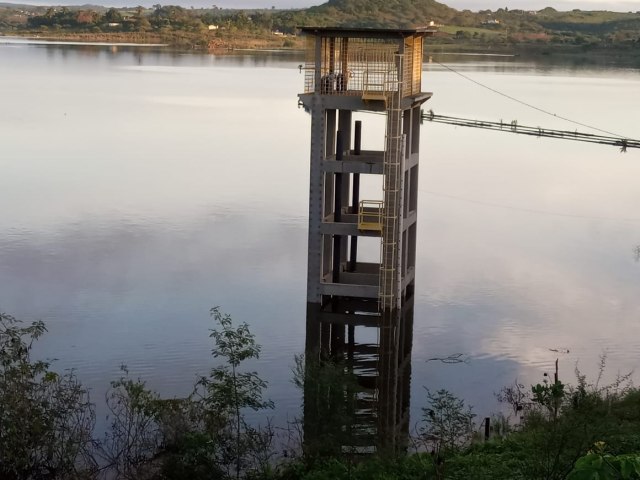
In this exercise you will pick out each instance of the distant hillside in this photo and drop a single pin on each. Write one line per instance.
(21, 6)
(201, 28)
(589, 22)
(381, 13)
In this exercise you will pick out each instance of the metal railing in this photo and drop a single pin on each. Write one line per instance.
(370, 215)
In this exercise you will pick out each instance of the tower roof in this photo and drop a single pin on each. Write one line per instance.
(367, 32)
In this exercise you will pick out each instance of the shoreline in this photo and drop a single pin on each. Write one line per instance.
(183, 41)
(189, 42)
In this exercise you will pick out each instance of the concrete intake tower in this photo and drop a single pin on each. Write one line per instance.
(364, 70)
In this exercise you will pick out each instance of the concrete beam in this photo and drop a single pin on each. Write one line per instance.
(355, 278)
(412, 161)
(349, 319)
(355, 305)
(345, 290)
(409, 277)
(344, 228)
(352, 167)
(354, 101)
(367, 156)
(409, 220)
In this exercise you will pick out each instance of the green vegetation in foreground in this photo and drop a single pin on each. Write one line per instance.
(46, 426)
(260, 28)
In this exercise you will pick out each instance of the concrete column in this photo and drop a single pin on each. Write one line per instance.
(415, 130)
(328, 180)
(337, 216)
(316, 200)
(355, 195)
(344, 127)
(312, 342)
(318, 65)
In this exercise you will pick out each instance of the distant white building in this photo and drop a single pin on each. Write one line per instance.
(213, 27)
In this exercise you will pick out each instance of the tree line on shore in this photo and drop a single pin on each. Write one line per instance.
(47, 422)
(501, 26)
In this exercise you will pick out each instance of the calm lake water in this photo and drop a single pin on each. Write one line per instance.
(139, 188)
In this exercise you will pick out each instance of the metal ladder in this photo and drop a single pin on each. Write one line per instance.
(389, 281)
(385, 217)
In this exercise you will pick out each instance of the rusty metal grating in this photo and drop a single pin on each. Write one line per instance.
(365, 67)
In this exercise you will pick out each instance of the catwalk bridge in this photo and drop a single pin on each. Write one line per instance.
(513, 127)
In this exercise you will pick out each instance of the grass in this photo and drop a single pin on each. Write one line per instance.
(453, 29)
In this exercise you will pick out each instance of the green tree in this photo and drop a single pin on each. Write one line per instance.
(602, 465)
(46, 419)
(112, 16)
(134, 436)
(447, 422)
(447, 427)
(141, 22)
(227, 393)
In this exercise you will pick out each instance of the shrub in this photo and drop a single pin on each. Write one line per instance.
(46, 418)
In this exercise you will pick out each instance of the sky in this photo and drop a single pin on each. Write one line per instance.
(474, 5)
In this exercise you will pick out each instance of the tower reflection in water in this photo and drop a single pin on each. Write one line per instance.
(358, 383)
